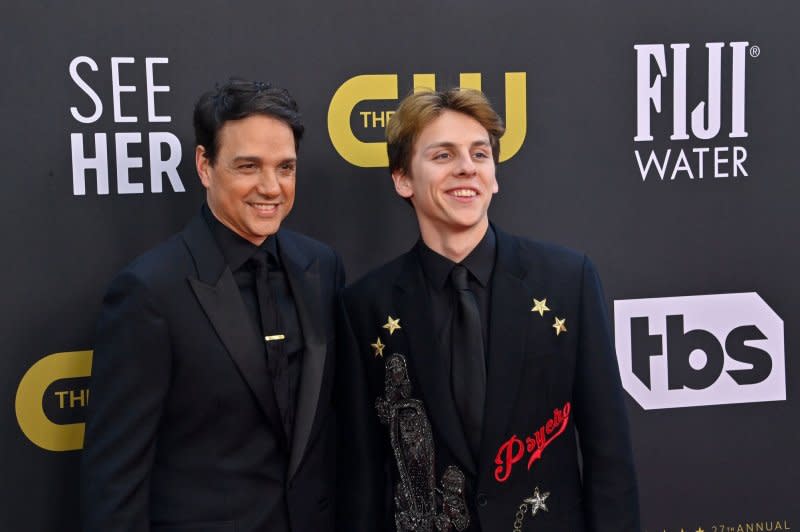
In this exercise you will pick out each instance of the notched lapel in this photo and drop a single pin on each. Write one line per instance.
(225, 309)
(219, 296)
(508, 334)
(429, 366)
(304, 279)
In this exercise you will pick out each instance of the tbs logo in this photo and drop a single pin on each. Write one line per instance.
(700, 350)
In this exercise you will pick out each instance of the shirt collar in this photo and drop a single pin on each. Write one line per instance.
(435, 267)
(236, 249)
(479, 262)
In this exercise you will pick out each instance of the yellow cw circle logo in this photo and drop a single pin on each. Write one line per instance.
(373, 87)
(51, 386)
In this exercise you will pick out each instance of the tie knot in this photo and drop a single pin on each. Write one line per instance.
(259, 262)
(460, 276)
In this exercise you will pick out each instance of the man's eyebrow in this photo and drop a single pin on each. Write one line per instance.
(443, 144)
(247, 159)
(448, 144)
(257, 159)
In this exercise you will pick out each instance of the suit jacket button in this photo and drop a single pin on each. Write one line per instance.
(482, 499)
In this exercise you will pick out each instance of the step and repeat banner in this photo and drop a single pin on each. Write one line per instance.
(659, 137)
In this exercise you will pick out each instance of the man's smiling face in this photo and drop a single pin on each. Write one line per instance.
(451, 176)
(250, 186)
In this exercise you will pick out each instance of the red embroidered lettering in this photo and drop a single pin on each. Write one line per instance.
(538, 454)
(513, 449)
(539, 434)
(509, 454)
(530, 444)
(557, 416)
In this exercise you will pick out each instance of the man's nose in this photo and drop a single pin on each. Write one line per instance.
(466, 166)
(268, 183)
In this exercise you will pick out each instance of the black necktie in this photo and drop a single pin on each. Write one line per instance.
(468, 372)
(271, 327)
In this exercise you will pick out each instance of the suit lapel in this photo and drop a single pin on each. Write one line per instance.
(303, 274)
(218, 295)
(508, 330)
(427, 362)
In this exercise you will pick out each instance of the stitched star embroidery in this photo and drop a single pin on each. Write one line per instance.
(560, 325)
(540, 306)
(537, 501)
(378, 347)
(392, 324)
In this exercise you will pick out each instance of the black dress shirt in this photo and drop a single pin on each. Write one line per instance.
(437, 268)
(442, 297)
(238, 252)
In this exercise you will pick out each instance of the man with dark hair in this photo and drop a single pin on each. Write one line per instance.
(211, 379)
(477, 367)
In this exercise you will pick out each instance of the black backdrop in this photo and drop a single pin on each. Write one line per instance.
(575, 180)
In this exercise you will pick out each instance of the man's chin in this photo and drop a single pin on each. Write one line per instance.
(266, 227)
(266, 234)
(257, 235)
(469, 223)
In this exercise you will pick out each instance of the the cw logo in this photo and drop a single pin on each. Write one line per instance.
(29, 405)
(384, 87)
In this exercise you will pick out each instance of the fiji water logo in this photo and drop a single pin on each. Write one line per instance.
(694, 144)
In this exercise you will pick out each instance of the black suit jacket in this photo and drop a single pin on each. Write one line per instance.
(183, 430)
(532, 372)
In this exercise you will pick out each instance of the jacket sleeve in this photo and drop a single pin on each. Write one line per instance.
(361, 477)
(130, 377)
(610, 498)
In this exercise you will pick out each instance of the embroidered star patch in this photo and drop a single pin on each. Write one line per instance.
(537, 501)
(540, 306)
(392, 324)
(378, 347)
(560, 325)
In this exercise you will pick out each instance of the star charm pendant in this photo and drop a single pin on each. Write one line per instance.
(537, 501)
(392, 324)
(540, 306)
(560, 326)
(378, 347)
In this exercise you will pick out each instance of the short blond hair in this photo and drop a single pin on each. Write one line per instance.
(419, 109)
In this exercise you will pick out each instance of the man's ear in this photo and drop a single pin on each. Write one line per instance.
(402, 184)
(203, 165)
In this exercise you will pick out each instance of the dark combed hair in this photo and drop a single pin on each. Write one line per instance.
(419, 109)
(236, 99)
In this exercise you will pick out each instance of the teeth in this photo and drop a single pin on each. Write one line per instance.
(464, 193)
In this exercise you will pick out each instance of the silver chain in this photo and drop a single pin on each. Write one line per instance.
(523, 508)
